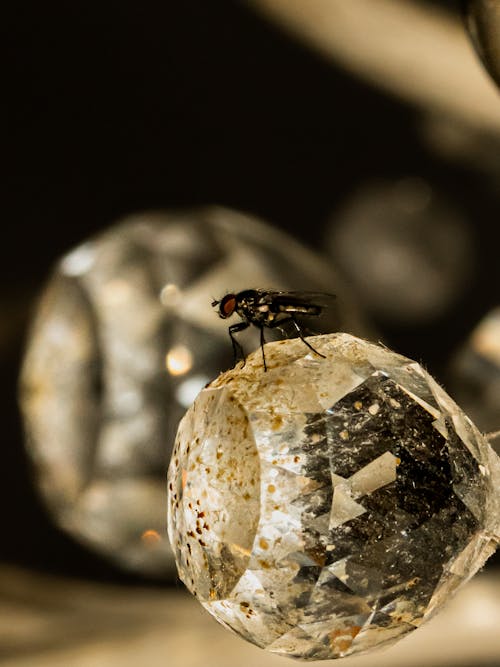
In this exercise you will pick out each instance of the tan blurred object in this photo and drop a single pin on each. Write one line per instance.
(483, 22)
(55, 622)
(419, 53)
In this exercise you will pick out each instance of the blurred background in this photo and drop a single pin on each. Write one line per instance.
(161, 154)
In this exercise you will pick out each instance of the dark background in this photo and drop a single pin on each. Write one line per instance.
(115, 107)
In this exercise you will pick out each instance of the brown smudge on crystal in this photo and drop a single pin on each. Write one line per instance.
(151, 537)
(317, 554)
(277, 422)
(341, 640)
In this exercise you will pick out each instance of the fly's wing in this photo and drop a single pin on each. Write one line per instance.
(305, 303)
(312, 312)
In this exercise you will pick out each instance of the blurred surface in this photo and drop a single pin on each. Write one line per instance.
(58, 622)
(411, 49)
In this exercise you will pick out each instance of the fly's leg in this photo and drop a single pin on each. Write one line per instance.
(237, 348)
(298, 330)
(262, 342)
(303, 339)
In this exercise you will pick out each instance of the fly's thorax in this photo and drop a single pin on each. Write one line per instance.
(261, 315)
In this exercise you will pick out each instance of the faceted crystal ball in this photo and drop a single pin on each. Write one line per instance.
(123, 340)
(329, 506)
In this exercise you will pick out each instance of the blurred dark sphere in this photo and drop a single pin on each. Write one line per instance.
(404, 248)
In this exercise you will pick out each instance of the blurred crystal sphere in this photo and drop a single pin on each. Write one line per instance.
(482, 18)
(123, 340)
(405, 251)
(475, 374)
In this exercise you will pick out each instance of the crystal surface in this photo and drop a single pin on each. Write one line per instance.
(329, 506)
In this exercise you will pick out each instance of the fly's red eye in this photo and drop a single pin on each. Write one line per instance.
(227, 305)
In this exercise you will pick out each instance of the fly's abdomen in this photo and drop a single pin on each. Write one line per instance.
(310, 309)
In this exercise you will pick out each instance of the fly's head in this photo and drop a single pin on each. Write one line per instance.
(226, 306)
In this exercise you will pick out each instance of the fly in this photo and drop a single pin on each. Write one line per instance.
(272, 310)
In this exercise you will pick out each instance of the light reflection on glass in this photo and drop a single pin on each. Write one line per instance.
(79, 261)
(188, 390)
(170, 295)
(179, 360)
(116, 292)
(150, 537)
(127, 402)
(485, 338)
